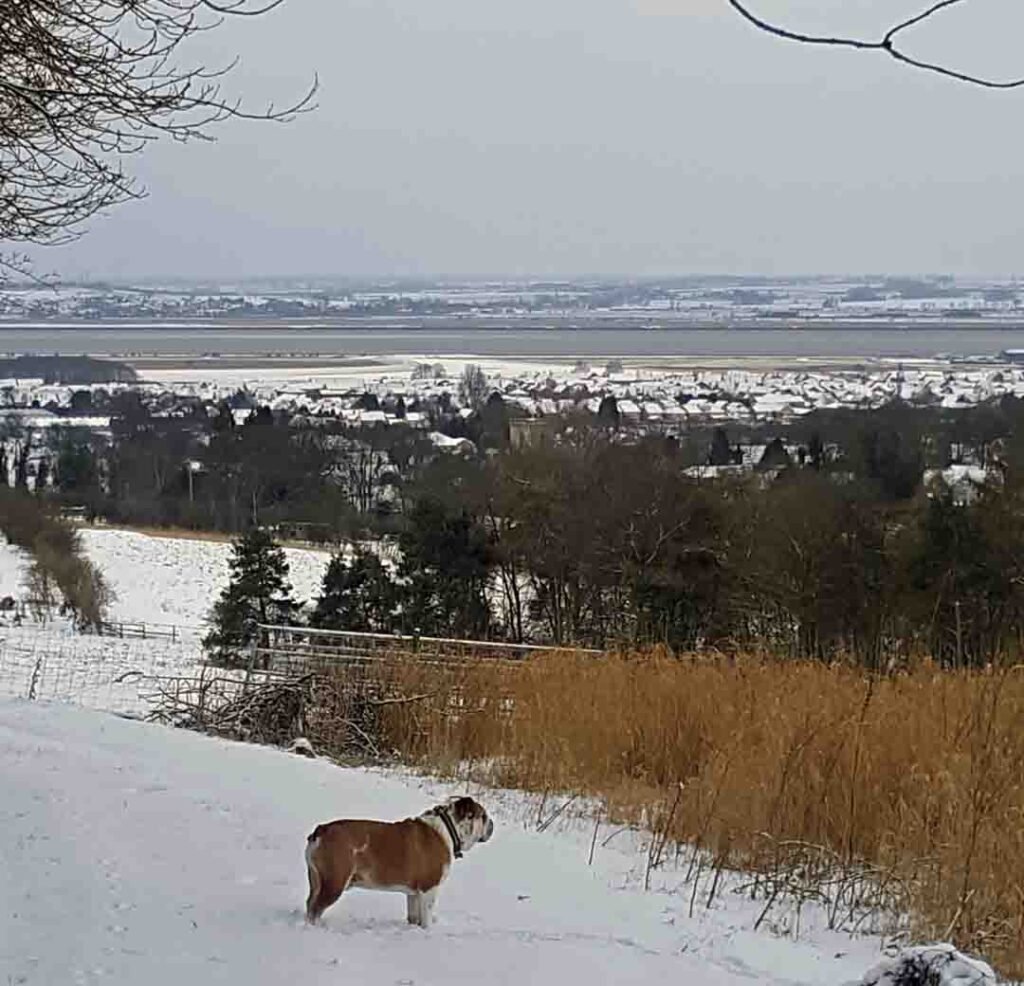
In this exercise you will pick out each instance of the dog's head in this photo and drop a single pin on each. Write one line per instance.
(470, 819)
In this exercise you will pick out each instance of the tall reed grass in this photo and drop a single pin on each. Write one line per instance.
(798, 773)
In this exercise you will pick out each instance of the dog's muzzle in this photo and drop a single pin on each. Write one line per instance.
(488, 831)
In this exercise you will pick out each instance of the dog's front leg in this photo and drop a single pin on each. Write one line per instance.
(420, 908)
(427, 901)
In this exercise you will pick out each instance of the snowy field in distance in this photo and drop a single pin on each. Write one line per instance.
(13, 570)
(159, 581)
(174, 580)
(133, 853)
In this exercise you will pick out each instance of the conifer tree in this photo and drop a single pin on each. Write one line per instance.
(356, 594)
(258, 593)
(446, 561)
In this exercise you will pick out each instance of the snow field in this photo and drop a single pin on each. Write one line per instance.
(159, 581)
(171, 580)
(13, 570)
(136, 853)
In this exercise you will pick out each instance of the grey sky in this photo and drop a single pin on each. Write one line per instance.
(598, 136)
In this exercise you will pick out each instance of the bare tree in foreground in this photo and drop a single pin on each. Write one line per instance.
(85, 84)
(889, 43)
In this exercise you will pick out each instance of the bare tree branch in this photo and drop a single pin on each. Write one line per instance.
(887, 44)
(85, 84)
(19, 267)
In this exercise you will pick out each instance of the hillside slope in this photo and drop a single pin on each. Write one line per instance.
(133, 853)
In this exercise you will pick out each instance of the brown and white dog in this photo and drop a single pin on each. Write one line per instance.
(411, 857)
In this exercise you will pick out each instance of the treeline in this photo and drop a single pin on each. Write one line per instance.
(596, 543)
(60, 576)
(193, 466)
(591, 540)
(81, 370)
(181, 461)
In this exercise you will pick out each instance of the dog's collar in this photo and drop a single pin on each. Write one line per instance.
(446, 820)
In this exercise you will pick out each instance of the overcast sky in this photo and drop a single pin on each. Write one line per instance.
(559, 137)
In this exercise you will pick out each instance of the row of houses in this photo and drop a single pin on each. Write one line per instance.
(649, 398)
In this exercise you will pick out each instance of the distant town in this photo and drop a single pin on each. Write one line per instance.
(680, 300)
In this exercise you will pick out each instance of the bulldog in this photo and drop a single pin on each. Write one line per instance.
(410, 857)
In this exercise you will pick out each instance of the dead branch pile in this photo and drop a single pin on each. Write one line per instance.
(352, 705)
(269, 711)
(340, 714)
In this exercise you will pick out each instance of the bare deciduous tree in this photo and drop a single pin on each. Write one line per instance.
(473, 387)
(85, 84)
(889, 44)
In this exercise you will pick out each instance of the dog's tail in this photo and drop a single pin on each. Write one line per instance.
(312, 842)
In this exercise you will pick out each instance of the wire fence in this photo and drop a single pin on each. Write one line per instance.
(145, 631)
(136, 669)
(302, 648)
(113, 673)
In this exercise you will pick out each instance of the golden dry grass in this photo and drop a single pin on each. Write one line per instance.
(787, 768)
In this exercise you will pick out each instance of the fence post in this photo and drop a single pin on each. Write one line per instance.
(202, 698)
(252, 663)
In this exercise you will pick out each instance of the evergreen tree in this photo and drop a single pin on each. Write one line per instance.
(608, 412)
(494, 430)
(720, 453)
(76, 469)
(82, 402)
(356, 595)
(258, 592)
(446, 561)
(223, 422)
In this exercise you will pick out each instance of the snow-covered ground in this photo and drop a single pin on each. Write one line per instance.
(13, 570)
(172, 580)
(162, 582)
(133, 853)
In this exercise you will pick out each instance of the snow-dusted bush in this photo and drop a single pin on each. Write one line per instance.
(60, 572)
(930, 965)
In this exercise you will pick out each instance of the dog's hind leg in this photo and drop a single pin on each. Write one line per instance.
(326, 884)
(328, 891)
(314, 893)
